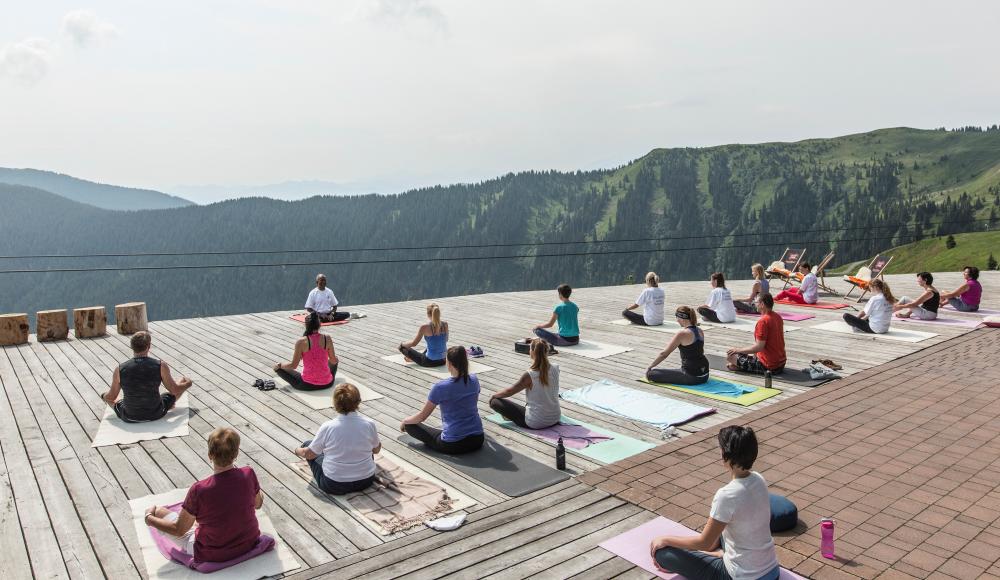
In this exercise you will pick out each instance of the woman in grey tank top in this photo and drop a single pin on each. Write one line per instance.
(541, 391)
(761, 285)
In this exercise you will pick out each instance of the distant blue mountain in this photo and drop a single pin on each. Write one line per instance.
(88, 192)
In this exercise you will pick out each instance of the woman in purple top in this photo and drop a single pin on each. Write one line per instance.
(966, 297)
(458, 396)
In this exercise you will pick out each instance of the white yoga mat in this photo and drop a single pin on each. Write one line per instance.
(592, 349)
(901, 334)
(323, 398)
(462, 501)
(270, 563)
(744, 324)
(114, 431)
(611, 398)
(475, 368)
(665, 328)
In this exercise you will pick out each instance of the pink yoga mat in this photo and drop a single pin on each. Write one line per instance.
(948, 321)
(784, 316)
(980, 312)
(823, 305)
(302, 318)
(633, 546)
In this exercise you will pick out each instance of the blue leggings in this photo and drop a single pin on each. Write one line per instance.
(957, 304)
(555, 339)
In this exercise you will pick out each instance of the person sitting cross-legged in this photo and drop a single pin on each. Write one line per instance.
(566, 315)
(720, 307)
(767, 353)
(541, 392)
(217, 521)
(323, 302)
(878, 311)
(966, 297)
(651, 300)
(690, 341)
(458, 395)
(342, 454)
(319, 360)
(139, 378)
(736, 542)
(435, 334)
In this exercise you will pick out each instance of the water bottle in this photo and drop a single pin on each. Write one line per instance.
(767, 379)
(826, 538)
(560, 455)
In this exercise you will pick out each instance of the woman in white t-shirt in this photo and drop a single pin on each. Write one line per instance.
(541, 393)
(651, 299)
(878, 311)
(736, 543)
(720, 302)
(342, 454)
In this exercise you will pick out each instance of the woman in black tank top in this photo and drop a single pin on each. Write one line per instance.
(690, 342)
(925, 306)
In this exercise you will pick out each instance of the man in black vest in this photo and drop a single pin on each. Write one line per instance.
(140, 378)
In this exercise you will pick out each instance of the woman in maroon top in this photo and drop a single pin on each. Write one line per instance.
(218, 520)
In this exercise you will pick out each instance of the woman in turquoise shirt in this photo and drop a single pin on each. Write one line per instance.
(565, 314)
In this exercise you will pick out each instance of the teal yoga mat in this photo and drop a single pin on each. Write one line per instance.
(611, 451)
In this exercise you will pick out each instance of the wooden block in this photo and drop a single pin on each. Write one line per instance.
(13, 329)
(51, 325)
(90, 322)
(131, 317)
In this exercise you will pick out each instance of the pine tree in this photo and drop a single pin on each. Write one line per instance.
(991, 263)
(950, 242)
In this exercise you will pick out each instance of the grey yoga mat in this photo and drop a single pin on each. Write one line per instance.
(795, 376)
(494, 465)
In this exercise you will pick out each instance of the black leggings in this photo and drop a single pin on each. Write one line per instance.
(294, 378)
(708, 314)
(431, 437)
(512, 411)
(333, 316)
(332, 486)
(168, 403)
(859, 323)
(675, 377)
(745, 307)
(420, 358)
(634, 317)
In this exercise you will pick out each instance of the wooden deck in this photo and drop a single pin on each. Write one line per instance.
(63, 505)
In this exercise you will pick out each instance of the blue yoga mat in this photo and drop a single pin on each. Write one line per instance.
(721, 388)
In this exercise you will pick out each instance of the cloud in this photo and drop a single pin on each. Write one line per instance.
(27, 61)
(84, 28)
(402, 11)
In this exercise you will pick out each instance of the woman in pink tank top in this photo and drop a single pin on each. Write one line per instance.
(319, 360)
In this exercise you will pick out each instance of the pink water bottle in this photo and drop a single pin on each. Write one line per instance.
(826, 538)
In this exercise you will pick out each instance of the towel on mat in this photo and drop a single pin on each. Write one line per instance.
(614, 399)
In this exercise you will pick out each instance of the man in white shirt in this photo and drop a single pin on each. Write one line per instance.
(322, 301)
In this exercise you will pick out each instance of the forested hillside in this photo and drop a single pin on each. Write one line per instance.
(721, 208)
(95, 194)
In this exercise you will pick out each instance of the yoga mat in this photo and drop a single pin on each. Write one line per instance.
(475, 368)
(633, 546)
(389, 498)
(609, 451)
(899, 334)
(497, 467)
(980, 312)
(944, 321)
(323, 398)
(789, 316)
(722, 390)
(822, 305)
(609, 397)
(302, 318)
(592, 349)
(270, 563)
(789, 375)
(665, 328)
(114, 431)
(743, 324)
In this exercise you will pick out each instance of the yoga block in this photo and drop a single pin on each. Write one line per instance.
(51, 325)
(13, 329)
(131, 317)
(90, 322)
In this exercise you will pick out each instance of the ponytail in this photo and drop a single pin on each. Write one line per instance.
(687, 313)
(458, 359)
(883, 287)
(312, 324)
(540, 360)
(652, 280)
(434, 314)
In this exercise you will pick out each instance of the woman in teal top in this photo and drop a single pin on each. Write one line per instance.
(565, 314)
(435, 334)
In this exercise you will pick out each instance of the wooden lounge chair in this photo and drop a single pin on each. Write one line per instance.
(866, 274)
(820, 271)
(785, 267)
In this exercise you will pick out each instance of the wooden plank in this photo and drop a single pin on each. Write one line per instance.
(14, 562)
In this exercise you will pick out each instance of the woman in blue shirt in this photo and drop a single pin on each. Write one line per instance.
(565, 314)
(461, 429)
(435, 334)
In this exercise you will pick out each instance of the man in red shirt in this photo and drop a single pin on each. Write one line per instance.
(768, 353)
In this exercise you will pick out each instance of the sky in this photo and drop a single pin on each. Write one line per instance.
(384, 95)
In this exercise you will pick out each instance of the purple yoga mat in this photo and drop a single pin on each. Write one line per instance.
(785, 316)
(948, 321)
(170, 551)
(633, 546)
(574, 436)
(980, 312)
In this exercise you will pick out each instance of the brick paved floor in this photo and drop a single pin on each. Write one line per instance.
(905, 456)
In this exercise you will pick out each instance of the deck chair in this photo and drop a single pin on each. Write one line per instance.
(866, 274)
(820, 271)
(785, 267)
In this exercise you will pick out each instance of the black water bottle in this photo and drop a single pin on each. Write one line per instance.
(767, 379)
(560, 455)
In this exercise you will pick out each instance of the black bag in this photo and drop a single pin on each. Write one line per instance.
(522, 347)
